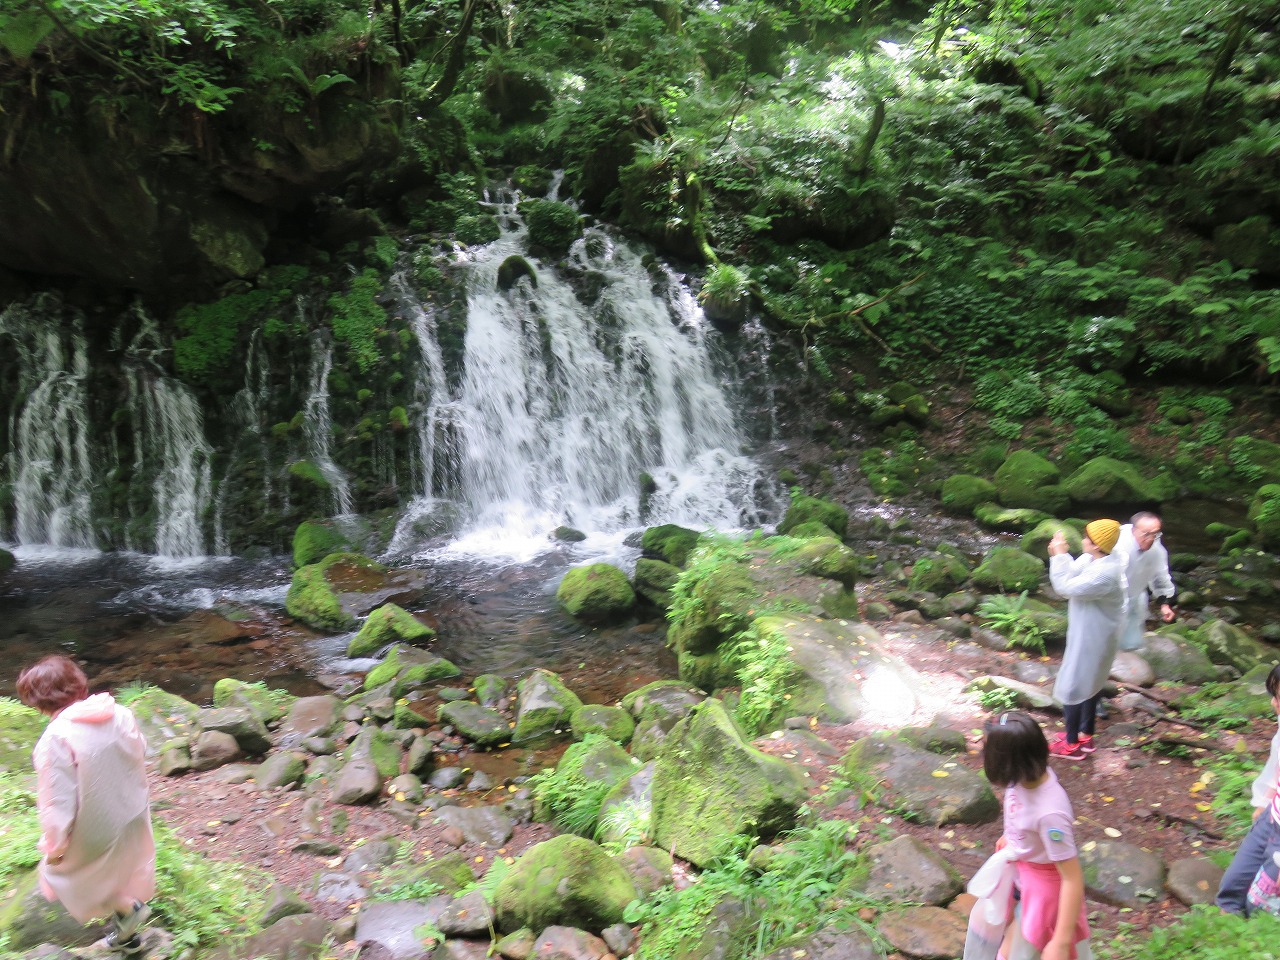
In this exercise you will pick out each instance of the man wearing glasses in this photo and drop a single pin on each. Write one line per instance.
(1147, 570)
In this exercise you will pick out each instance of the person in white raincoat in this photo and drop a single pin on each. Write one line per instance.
(1147, 573)
(92, 801)
(1094, 587)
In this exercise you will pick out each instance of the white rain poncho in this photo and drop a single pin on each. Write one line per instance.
(1147, 573)
(95, 818)
(1096, 601)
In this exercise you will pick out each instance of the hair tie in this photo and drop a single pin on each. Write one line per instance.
(1003, 718)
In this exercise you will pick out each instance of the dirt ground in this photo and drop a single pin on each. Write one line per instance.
(1122, 791)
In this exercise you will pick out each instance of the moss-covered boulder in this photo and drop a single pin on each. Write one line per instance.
(962, 493)
(388, 624)
(938, 573)
(654, 579)
(1105, 481)
(834, 670)
(611, 722)
(1227, 644)
(553, 226)
(1174, 658)
(936, 788)
(483, 726)
(596, 593)
(565, 880)
(812, 530)
(669, 542)
(1009, 570)
(1009, 519)
(588, 770)
(710, 786)
(1036, 540)
(164, 717)
(657, 707)
(313, 599)
(544, 705)
(721, 597)
(805, 508)
(1243, 699)
(267, 705)
(1021, 479)
(1264, 515)
(314, 540)
(828, 558)
(512, 269)
(379, 746)
(407, 668)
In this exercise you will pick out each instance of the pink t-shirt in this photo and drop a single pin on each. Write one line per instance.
(1037, 822)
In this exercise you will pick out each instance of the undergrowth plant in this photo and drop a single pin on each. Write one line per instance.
(1010, 617)
(807, 881)
(566, 796)
(1204, 933)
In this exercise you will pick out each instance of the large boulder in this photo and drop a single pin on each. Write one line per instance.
(710, 786)
(804, 509)
(314, 600)
(386, 625)
(1009, 570)
(267, 705)
(962, 493)
(654, 579)
(313, 540)
(1036, 540)
(1227, 644)
(670, 543)
(163, 717)
(1104, 481)
(1176, 659)
(1022, 479)
(836, 670)
(408, 667)
(544, 705)
(565, 880)
(936, 788)
(938, 573)
(596, 593)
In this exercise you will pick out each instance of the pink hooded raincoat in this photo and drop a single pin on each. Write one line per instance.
(95, 816)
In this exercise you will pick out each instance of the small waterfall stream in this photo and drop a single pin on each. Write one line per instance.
(318, 425)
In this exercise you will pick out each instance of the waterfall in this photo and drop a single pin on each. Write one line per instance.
(318, 425)
(568, 401)
(50, 462)
(247, 412)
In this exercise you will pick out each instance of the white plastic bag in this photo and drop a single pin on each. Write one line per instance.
(990, 916)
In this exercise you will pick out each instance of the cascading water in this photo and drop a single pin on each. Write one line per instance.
(247, 413)
(318, 425)
(50, 462)
(567, 403)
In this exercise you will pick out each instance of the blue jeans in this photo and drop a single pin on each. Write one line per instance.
(1256, 849)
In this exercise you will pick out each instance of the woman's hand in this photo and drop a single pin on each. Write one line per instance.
(1058, 544)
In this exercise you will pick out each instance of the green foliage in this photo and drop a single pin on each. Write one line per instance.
(763, 666)
(212, 332)
(1203, 933)
(568, 798)
(623, 825)
(1010, 617)
(553, 226)
(358, 319)
(804, 885)
(997, 699)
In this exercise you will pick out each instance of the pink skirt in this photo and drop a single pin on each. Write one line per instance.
(1040, 883)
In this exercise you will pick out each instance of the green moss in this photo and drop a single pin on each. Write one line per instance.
(565, 880)
(206, 352)
(669, 542)
(611, 722)
(309, 472)
(805, 508)
(311, 600)
(1104, 481)
(1009, 570)
(552, 225)
(385, 625)
(963, 492)
(20, 728)
(596, 593)
(358, 319)
(314, 540)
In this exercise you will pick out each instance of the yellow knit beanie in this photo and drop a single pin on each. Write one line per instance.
(1103, 533)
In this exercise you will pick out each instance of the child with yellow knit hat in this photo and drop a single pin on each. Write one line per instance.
(1094, 587)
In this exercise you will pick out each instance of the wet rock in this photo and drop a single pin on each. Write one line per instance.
(936, 789)
(405, 668)
(386, 625)
(829, 943)
(466, 916)
(212, 748)
(309, 717)
(491, 689)
(488, 826)
(568, 943)
(904, 869)
(596, 593)
(480, 781)
(928, 933)
(391, 925)
(483, 726)
(544, 705)
(1122, 874)
(1194, 880)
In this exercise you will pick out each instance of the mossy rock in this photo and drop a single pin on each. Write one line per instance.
(553, 226)
(483, 726)
(611, 722)
(711, 787)
(567, 880)
(409, 667)
(962, 493)
(1009, 570)
(805, 508)
(1227, 644)
(669, 542)
(1105, 481)
(314, 540)
(938, 573)
(1036, 540)
(1264, 515)
(512, 269)
(827, 558)
(812, 530)
(596, 593)
(1021, 477)
(543, 706)
(654, 579)
(164, 717)
(267, 705)
(1010, 519)
(312, 599)
(388, 624)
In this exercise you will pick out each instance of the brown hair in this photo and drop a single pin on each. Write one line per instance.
(52, 683)
(1014, 749)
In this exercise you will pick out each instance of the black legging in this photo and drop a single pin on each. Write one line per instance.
(1080, 717)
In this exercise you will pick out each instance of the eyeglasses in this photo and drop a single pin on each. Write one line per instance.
(1153, 537)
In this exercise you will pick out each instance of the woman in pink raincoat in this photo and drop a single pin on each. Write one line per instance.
(91, 795)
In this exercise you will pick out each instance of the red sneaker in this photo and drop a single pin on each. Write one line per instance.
(1067, 751)
(1086, 744)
